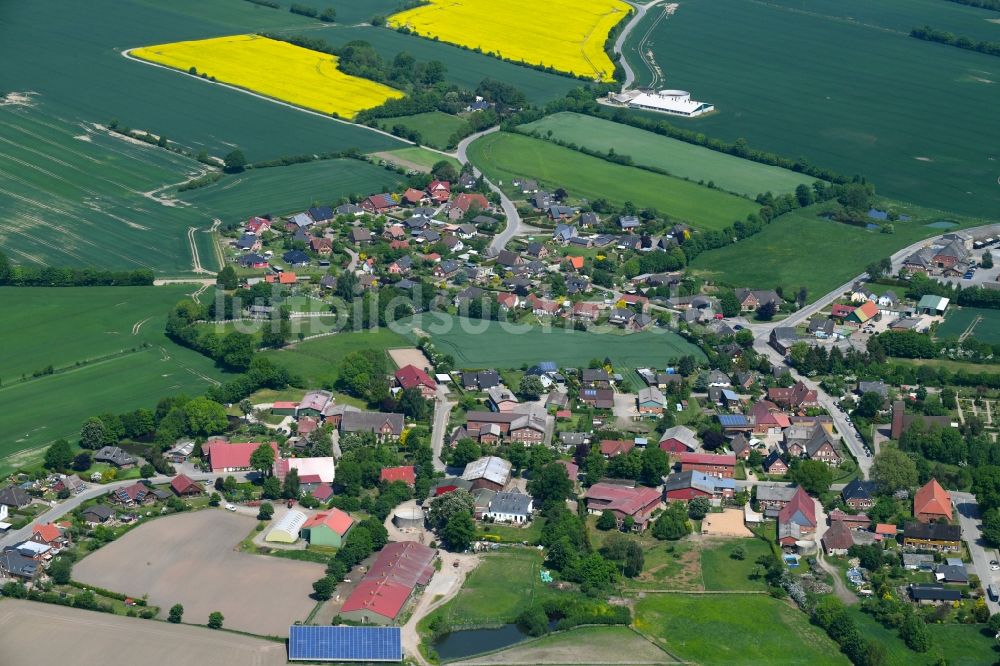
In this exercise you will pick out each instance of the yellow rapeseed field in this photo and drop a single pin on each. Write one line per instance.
(567, 35)
(276, 69)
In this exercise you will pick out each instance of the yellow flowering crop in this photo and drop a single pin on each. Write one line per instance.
(276, 69)
(567, 35)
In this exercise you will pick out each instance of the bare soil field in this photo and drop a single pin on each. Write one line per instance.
(729, 523)
(409, 356)
(74, 636)
(586, 645)
(189, 559)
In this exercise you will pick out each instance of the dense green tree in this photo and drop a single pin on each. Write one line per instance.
(729, 305)
(530, 387)
(869, 405)
(61, 570)
(324, 588)
(227, 278)
(673, 523)
(147, 471)
(626, 552)
(533, 620)
(236, 350)
(893, 470)
(215, 620)
(82, 461)
(459, 531)
(363, 373)
(176, 613)
(698, 508)
(607, 521)
(915, 634)
(271, 488)
(93, 433)
(550, 484)
(443, 507)
(262, 459)
(59, 456)
(265, 511)
(235, 161)
(655, 465)
(413, 404)
(766, 311)
(813, 475)
(465, 451)
(291, 487)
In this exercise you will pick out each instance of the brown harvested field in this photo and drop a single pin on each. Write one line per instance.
(60, 635)
(584, 645)
(190, 559)
(409, 356)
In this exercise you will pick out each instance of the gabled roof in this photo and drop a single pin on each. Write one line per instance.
(182, 484)
(682, 434)
(491, 468)
(932, 499)
(838, 537)
(15, 497)
(932, 531)
(623, 499)
(223, 455)
(410, 376)
(858, 489)
(335, 519)
(819, 438)
(801, 509)
(726, 459)
(404, 473)
(47, 532)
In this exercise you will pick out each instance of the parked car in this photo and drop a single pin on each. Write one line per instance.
(230, 507)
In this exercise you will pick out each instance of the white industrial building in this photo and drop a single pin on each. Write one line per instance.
(286, 530)
(674, 102)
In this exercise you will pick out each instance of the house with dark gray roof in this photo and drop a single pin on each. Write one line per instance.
(16, 565)
(14, 497)
(381, 424)
(510, 507)
(114, 456)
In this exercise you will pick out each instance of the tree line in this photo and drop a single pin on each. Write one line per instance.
(929, 34)
(55, 276)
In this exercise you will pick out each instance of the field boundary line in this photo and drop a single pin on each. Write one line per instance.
(127, 53)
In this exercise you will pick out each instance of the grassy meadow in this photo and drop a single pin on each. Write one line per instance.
(843, 84)
(416, 157)
(289, 189)
(959, 645)
(684, 160)
(786, 253)
(481, 344)
(317, 362)
(108, 352)
(435, 127)
(737, 628)
(503, 157)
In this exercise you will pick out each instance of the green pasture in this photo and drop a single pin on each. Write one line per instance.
(290, 189)
(77, 69)
(801, 249)
(417, 156)
(721, 572)
(318, 361)
(958, 320)
(734, 628)
(100, 364)
(958, 644)
(681, 159)
(435, 127)
(500, 587)
(464, 68)
(843, 85)
(483, 344)
(503, 157)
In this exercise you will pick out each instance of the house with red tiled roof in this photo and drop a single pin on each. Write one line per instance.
(714, 464)
(586, 310)
(635, 299)
(465, 202)
(321, 246)
(867, 311)
(399, 568)
(507, 300)
(414, 197)
(795, 397)
(137, 493)
(410, 376)
(886, 531)
(379, 203)
(797, 519)
(931, 503)
(616, 447)
(625, 502)
(841, 312)
(327, 528)
(574, 262)
(258, 225)
(404, 473)
(232, 457)
(322, 491)
(286, 277)
(184, 486)
(50, 534)
(767, 418)
(439, 191)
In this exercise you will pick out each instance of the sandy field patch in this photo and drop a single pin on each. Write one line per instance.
(728, 523)
(409, 356)
(590, 645)
(74, 636)
(189, 558)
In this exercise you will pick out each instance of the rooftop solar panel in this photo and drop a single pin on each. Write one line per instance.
(344, 643)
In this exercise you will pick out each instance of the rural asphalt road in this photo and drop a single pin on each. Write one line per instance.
(968, 516)
(640, 12)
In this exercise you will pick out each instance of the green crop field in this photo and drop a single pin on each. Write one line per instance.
(464, 68)
(435, 127)
(985, 324)
(481, 344)
(788, 252)
(76, 69)
(842, 84)
(503, 157)
(416, 157)
(115, 334)
(317, 362)
(737, 628)
(283, 190)
(684, 160)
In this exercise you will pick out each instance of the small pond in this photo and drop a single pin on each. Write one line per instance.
(461, 644)
(942, 224)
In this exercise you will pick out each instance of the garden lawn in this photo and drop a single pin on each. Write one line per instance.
(317, 362)
(722, 572)
(498, 589)
(737, 628)
(435, 127)
(481, 344)
(678, 158)
(503, 156)
(785, 253)
(859, 109)
(958, 644)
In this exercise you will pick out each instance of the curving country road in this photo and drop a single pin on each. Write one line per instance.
(515, 225)
(640, 13)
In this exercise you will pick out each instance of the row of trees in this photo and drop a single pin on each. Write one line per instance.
(929, 34)
(55, 276)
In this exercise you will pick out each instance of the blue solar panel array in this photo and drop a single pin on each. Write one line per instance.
(733, 420)
(344, 643)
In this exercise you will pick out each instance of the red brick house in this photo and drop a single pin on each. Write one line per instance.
(797, 519)
(321, 246)
(623, 502)
(796, 397)
(185, 487)
(439, 191)
(931, 503)
(616, 447)
(405, 473)
(410, 376)
(721, 465)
